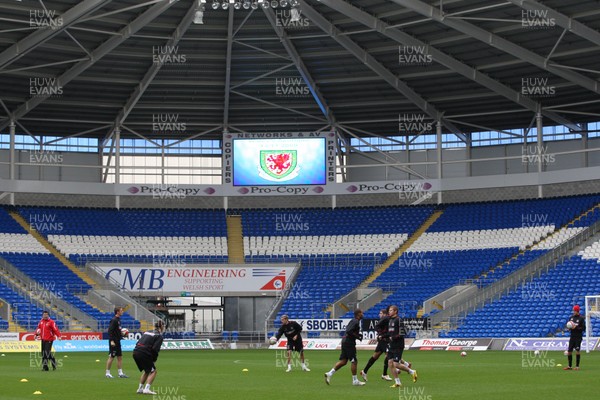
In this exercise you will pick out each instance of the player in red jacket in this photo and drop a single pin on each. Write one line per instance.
(47, 331)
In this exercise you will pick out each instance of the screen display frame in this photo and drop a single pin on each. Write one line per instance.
(322, 173)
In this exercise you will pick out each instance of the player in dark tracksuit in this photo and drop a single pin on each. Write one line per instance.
(145, 355)
(349, 349)
(291, 330)
(395, 335)
(114, 344)
(576, 338)
(381, 328)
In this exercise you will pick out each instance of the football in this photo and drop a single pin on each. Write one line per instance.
(570, 325)
(463, 354)
(536, 353)
(124, 332)
(272, 340)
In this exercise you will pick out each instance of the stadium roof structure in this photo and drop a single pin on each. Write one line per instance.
(85, 67)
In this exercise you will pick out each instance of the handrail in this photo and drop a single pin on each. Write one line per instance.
(55, 302)
(504, 286)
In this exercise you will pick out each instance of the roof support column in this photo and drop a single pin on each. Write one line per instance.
(117, 163)
(540, 146)
(438, 150)
(12, 158)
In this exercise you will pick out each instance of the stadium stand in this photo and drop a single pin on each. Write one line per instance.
(551, 295)
(23, 311)
(134, 235)
(342, 250)
(51, 275)
(479, 243)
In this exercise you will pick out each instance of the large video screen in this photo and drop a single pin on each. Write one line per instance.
(293, 161)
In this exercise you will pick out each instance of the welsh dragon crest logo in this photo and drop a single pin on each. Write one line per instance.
(278, 165)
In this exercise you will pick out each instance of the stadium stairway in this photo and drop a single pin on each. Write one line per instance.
(552, 240)
(42, 240)
(14, 327)
(394, 256)
(404, 247)
(235, 240)
(145, 325)
(20, 287)
(589, 213)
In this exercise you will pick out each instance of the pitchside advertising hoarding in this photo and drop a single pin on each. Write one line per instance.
(367, 325)
(451, 344)
(310, 344)
(68, 346)
(195, 279)
(558, 344)
(30, 336)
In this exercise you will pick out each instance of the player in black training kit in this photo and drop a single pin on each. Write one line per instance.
(145, 355)
(291, 330)
(381, 328)
(395, 334)
(349, 349)
(576, 338)
(114, 344)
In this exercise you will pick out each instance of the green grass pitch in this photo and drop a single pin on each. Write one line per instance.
(218, 375)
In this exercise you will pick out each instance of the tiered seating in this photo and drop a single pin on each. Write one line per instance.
(318, 286)
(416, 277)
(477, 242)
(20, 243)
(257, 247)
(140, 245)
(52, 276)
(14, 239)
(8, 224)
(295, 233)
(25, 313)
(134, 235)
(113, 222)
(587, 220)
(549, 297)
(512, 214)
(338, 248)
